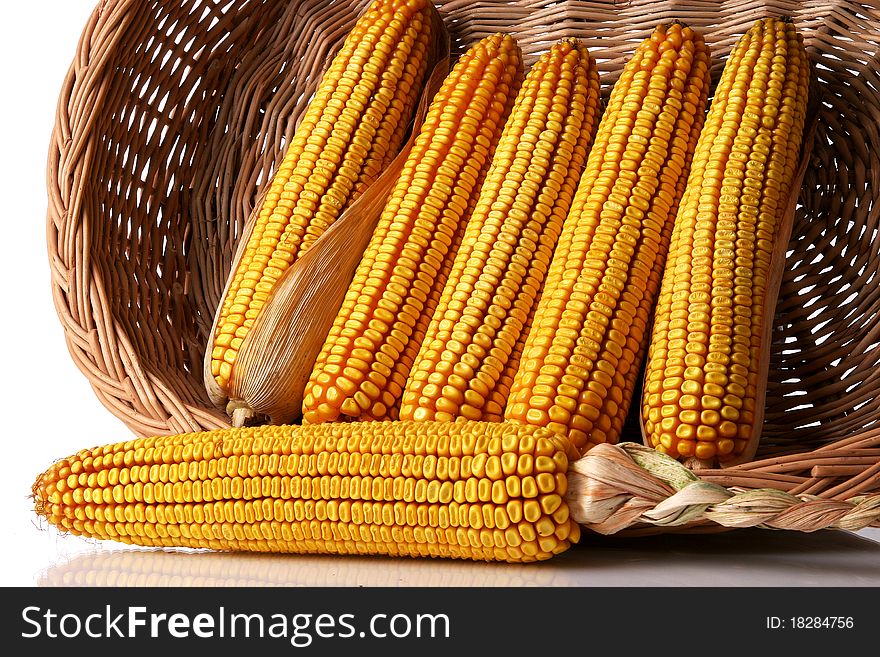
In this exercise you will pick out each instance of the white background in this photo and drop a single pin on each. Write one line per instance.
(49, 411)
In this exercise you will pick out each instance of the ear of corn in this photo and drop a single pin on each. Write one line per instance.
(351, 130)
(469, 354)
(702, 382)
(584, 349)
(365, 360)
(483, 491)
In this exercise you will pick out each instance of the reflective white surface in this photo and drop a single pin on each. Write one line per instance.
(740, 558)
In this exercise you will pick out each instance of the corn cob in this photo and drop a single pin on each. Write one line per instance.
(351, 130)
(365, 360)
(587, 340)
(481, 491)
(468, 356)
(702, 379)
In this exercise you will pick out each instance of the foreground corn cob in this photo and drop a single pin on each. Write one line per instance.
(351, 130)
(365, 360)
(703, 375)
(469, 353)
(483, 491)
(584, 349)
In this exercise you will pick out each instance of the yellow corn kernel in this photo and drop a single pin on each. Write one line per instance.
(362, 367)
(587, 340)
(348, 135)
(331, 488)
(472, 345)
(720, 255)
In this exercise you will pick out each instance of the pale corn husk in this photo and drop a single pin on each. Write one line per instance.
(277, 355)
(632, 489)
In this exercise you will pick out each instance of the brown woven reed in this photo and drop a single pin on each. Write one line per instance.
(174, 111)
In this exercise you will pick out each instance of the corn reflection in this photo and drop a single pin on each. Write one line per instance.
(744, 557)
(163, 568)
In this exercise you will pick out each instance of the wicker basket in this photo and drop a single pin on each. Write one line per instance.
(171, 117)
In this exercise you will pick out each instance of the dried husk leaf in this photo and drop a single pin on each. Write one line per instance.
(277, 355)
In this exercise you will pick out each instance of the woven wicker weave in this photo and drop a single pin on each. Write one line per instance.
(174, 111)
